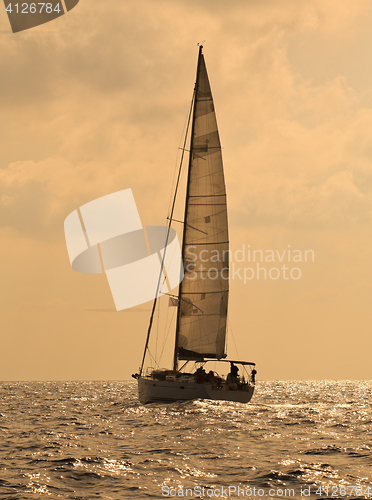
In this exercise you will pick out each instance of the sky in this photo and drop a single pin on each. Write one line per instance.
(96, 101)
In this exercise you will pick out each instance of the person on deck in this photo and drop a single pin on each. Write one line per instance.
(233, 372)
(253, 376)
(210, 377)
(200, 375)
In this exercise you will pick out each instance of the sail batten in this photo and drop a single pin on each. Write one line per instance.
(203, 296)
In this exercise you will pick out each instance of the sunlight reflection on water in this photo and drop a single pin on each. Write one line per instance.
(85, 439)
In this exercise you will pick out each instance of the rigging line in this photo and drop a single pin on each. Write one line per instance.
(153, 359)
(183, 366)
(167, 325)
(166, 337)
(192, 227)
(166, 240)
(193, 153)
(157, 335)
(171, 260)
(232, 336)
(184, 128)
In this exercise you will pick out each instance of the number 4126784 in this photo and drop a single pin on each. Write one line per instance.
(342, 491)
(32, 8)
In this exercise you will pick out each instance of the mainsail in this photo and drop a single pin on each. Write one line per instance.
(203, 293)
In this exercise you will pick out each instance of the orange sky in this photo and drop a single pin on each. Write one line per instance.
(96, 101)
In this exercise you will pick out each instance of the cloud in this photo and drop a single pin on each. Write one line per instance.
(91, 111)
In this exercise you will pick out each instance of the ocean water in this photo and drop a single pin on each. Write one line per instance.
(89, 440)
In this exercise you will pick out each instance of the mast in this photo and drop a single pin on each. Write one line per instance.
(170, 219)
(175, 357)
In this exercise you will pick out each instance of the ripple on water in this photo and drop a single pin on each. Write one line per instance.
(94, 440)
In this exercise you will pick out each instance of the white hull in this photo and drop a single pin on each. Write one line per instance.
(151, 391)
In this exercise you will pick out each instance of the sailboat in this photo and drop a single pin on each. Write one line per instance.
(202, 300)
